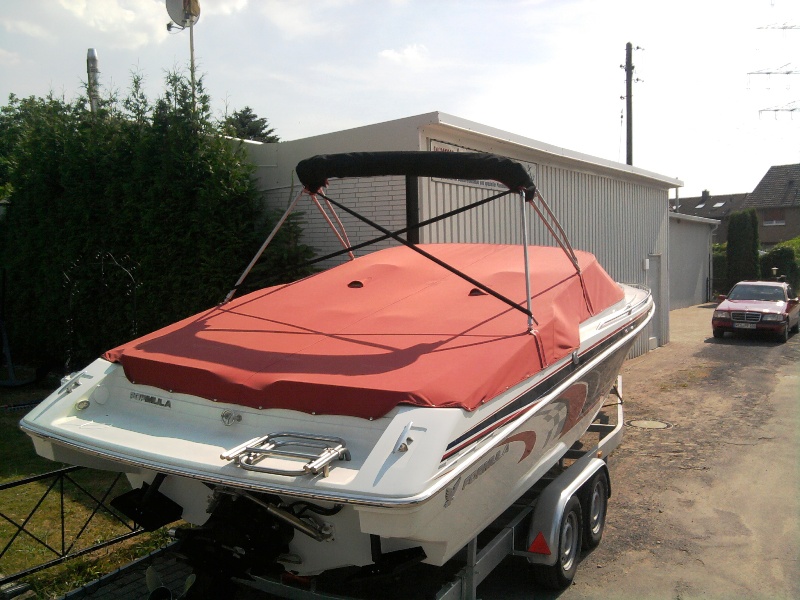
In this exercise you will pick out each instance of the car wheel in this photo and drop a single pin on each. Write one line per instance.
(783, 336)
(718, 333)
(796, 328)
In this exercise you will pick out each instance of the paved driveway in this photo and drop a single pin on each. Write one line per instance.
(707, 508)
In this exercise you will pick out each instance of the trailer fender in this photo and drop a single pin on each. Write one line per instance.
(543, 533)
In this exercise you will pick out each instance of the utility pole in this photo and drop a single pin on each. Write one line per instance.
(629, 81)
(629, 101)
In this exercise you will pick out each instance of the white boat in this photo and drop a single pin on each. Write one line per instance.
(385, 410)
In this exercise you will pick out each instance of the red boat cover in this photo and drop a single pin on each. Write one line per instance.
(387, 328)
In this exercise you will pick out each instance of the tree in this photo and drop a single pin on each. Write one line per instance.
(247, 125)
(720, 268)
(783, 258)
(122, 221)
(743, 247)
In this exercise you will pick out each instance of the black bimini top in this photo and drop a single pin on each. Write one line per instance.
(314, 172)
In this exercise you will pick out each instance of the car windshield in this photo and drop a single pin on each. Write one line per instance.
(766, 293)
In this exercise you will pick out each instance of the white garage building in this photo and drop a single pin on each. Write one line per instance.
(690, 241)
(618, 212)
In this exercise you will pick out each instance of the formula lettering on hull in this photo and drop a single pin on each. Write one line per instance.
(155, 400)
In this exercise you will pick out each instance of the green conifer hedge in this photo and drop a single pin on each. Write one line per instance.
(121, 221)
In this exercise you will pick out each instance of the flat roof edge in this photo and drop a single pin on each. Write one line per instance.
(500, 134)
(445, 120)
(692, 218)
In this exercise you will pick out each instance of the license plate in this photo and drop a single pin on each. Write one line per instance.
(744, 325)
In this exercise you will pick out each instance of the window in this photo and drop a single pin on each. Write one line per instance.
(774, 216)
(719, 205)
(701, 205)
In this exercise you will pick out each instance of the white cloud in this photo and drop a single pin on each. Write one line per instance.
(415, 56)
(100, 15)
(9, 59)
(222, 7)
(129, 24)
(304, 17)
(25, 28)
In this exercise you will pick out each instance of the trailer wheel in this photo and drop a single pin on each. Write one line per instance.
(595, 505)
(560, 575)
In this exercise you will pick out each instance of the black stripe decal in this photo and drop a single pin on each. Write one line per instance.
(534, 394)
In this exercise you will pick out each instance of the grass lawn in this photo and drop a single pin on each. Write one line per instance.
(20, 461)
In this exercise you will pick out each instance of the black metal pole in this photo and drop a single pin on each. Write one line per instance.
(412, 209)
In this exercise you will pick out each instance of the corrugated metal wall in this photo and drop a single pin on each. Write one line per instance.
(494, 223)
(622, 223)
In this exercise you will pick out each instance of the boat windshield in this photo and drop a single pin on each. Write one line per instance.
(766, 293)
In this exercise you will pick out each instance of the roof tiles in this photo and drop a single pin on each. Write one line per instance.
(779, 188)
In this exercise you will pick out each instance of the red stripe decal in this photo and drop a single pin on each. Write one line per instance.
(526, 437)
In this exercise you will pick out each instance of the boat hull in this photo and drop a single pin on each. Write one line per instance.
(515, 459)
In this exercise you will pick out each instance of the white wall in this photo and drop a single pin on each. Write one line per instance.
(690, 257)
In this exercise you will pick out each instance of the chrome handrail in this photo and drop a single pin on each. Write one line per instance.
(289, 445)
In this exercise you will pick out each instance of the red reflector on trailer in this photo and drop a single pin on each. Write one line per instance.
(539, 545)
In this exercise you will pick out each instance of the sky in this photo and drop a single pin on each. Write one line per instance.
(709, 72)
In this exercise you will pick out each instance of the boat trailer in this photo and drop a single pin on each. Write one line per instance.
(560, 514)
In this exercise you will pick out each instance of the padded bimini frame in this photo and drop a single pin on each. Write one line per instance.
(315, 172)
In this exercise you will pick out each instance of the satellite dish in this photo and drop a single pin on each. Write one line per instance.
(183, 12)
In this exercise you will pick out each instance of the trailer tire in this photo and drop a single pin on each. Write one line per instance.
(560, 575)
(595, 505)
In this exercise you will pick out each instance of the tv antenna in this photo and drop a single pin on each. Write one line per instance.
(790, 108)
(784, 26)
(786, 69)
(185, 13)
